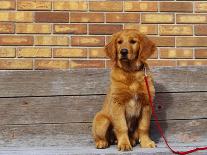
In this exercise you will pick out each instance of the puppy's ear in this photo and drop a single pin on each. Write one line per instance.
(110, 48)
(147, 48)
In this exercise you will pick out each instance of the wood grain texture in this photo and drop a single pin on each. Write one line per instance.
(72, 134)
(94, 81)
(55, 108)
(90, 150)
(65, 109)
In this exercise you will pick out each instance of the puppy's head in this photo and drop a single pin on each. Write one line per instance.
(129, 49)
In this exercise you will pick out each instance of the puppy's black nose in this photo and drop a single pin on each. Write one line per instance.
(124, 52)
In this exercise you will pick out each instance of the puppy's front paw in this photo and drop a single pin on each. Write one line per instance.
(124, 147)
(101, 144)
(147, 143)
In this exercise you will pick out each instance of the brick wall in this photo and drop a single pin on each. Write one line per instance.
(62, 34)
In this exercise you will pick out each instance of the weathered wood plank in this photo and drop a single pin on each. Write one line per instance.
(90, 150)
(94, 81)
(64, 109)
(72, 134)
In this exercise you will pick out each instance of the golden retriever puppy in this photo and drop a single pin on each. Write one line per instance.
(126, 112)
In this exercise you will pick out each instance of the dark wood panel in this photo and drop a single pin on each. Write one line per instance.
(73, 134)
(94, 81)
(180, 79)
(64, 109)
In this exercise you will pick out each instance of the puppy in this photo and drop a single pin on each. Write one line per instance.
(126, 112)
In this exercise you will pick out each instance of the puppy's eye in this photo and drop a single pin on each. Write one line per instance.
(132, 41)
(120, 42)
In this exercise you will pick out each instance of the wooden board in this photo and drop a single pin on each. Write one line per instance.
(72, 134)
(90, 150)
(94, 81)
(65, 109)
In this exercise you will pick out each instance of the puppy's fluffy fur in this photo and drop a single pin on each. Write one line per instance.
(126, 112)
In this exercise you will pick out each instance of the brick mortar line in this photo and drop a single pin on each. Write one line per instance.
(123, 2)
(65, 46)
(193, 54)
(105, 62)
(69, 19)
(87, 53)
(92, 47)
(193, 3)
(187, 59)
(39, 58)
(88, 6)
(102, 12)
(92, 59)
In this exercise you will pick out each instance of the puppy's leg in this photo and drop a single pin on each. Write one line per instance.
(100, 126)
(143, 128)
(120, 127)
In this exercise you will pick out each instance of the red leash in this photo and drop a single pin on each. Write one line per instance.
(159, 127)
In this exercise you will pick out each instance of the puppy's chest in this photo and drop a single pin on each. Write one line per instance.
(133, 107)
(135, 87)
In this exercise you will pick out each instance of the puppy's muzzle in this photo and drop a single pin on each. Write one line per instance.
(124, 53)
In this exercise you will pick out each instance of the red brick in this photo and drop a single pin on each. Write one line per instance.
(69, 52)
(104, 29)
(143, 28)
(70, 28)
(191, 41)
(157, 18)
(87, 41)
(7, 5)
(97, 53)
(33, 52)
(176, 30)
(19, 16)
(6, 28)
(105, 6)
(109, 64)
(52, 17)
(122, 17)
(200, 7)
(173, 53)
(71, 5)
(34, 5)
(51, 64)
(14, 64)
(191, 18)
(51, 40)
(156, 63)
(192, 62)
(163, 41)
(86, 17)
(176, 6)
(201, 30)
(7, 52)
(87, 64)
(201, 53)
(33, 28)
(140, 6)
(16, 40)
